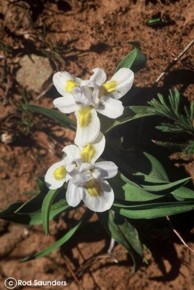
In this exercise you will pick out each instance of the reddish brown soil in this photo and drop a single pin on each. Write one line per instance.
(92, 34)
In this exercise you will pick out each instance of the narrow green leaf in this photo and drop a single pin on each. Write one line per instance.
(61, 241)
(157, 171)
(130, 113)
(56, 208)
(32, 218)
(32, 193)
(138, 160)
(57, 116)
(155, 210)
(183, 193)
(40, 183)
(10, 209)
(167, 186)
(127, 190)
(192, 110)
(123, 232)
(181, 120)
(146, 167)
(135, 60)
(140, 111)
(46, 206)
(174, 146)
(34, 204)
(138, 194)
(29, 212)
(131, 235)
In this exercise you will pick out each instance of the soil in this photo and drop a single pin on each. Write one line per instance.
(78, 36)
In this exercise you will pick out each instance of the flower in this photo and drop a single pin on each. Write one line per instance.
(87, 97)
(86, 179)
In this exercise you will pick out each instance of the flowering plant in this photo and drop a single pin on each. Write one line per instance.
(138, 186)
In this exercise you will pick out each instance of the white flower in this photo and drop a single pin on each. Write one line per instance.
(86, 179)
(87, 97)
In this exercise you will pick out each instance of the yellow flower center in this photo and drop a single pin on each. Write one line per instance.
(110, 86)
(84, 116)
(60, 173)
(88, 153)
(93, 188)
(70, 85)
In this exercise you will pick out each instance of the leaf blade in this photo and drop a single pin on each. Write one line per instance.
(156, 210)
(123, 232)
(57, 116)
(135, 59)
(61, 241)
(45, 209)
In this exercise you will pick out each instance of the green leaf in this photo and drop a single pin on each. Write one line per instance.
(57, 116)
(135, 193)
(34, 204)
(146, 167)
(12, 213)
(33, 192)
(166, 186)
(155, 210)
(123, 232)
(171, 145)
(157, 170)
(56, 208)
(135, 59)
(183, 193)
(41, 186)
(181, 117)
(130, 113)
(40, 183)
(61, 241)
(130, 164)
(29, 212)
(46, 206)
(138, 166)
(139, 111)
(8, 213)
(129, 191)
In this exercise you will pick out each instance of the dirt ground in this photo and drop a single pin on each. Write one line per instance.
(78, 36)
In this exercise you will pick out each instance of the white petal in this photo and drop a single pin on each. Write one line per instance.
(83, 96)
(104, 170)
(99, 145)
(110, 107)
(98, 77)
(124, 78)
(88, 128)
(80, 179)
(82, 174)
(50, 179)
(74, 194)
(60, 81)
(85, 167)
(72, 153)
(96, 96)
(92, 151)
(65, 104)
(102, 202)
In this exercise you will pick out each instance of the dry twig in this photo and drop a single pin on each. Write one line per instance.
(172, 63)
(72, 272)
(178, 235)
(45, 91)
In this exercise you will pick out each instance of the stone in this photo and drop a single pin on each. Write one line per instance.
(33, 72)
